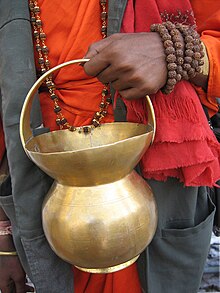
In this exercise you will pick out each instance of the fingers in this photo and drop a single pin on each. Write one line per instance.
(7, 287)
(97, 47)
(134, 64)
(6, 290)
(107, 75)
(15, 287)
(20, 286)
(137, 92)
(131, 93)
(99, 53)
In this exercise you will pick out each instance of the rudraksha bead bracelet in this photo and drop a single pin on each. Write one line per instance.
(193, 51)
(183, 61)
(171, 58)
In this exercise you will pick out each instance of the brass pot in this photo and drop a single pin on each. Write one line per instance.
(99, 214)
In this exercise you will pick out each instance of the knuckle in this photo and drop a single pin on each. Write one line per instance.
(124, 68)
(115, 36)
(128, 67)
(102, 79)
(136, 79)
(92, 47)
(114, 51)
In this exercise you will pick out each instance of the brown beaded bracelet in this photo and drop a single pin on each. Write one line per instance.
(171, 58)
(193, 51)
(178, 47)
(181, 64)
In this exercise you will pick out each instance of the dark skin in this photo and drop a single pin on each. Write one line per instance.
(12, 275)
(135, 65)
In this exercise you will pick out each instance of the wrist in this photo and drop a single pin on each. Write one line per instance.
(6, 243)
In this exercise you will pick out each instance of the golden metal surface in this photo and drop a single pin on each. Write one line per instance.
(97, 227)
(106, 154)
(8, 253)
(205, 66)
(110, 269)
(99, 215)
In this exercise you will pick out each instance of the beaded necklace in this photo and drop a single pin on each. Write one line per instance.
(43, 51)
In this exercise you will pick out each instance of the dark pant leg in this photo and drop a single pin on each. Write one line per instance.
(174, 261)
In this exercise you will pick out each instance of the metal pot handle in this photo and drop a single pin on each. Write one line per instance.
(25, 130)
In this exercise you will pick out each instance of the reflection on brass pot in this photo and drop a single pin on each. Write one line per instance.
(99, 214)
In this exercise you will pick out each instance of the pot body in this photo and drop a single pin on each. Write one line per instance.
(101, 228)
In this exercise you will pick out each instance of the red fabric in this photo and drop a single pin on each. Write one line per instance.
(184, 145)
(126, 280)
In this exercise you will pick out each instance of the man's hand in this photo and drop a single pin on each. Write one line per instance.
(12, 276)
(134, 63)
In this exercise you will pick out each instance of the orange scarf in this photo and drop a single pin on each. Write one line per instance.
(71, 26)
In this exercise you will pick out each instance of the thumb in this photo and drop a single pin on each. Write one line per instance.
(20, 286)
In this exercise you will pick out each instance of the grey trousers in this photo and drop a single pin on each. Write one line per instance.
(174, 260)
